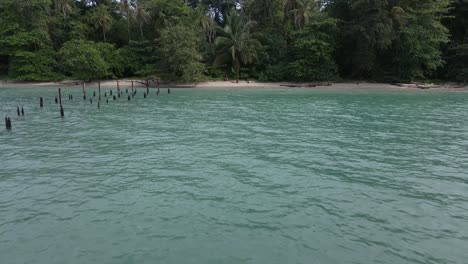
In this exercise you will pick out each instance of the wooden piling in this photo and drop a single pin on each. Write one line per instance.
(144, 95)
(41, 102)
(7, 123)
(110, 92)
(99, 87)
(98, 105)
(118, 86)
(62, 114)
(115, 97)
(168, 90)
(60, 95)
(90, 101)
(56, 101)
(84, 91)
(129, 98)
(107, 100)
(18, 111)
(22, 111)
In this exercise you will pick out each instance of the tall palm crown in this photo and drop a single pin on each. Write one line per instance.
(299, 11)
(64, 7)
(236, 43)
(142, 16)
(103, 20)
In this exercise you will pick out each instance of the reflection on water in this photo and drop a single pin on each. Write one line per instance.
(235, 176)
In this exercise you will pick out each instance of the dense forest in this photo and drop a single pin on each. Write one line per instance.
(267, 40)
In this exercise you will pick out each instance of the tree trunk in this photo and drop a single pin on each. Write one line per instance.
(104, 33)
(141, 31)
(128, 25)
(237, 71)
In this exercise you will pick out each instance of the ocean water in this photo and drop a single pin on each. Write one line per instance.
(235, 176)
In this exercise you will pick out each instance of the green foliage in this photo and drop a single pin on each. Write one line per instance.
(237, 46)
(421, 37)
(313, 53)
(83, 60)
(295, 40)
(34, 66)
(180, 56)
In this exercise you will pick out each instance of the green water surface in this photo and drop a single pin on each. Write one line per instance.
(235, 176)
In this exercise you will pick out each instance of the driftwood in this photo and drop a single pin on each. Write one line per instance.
(307, 85)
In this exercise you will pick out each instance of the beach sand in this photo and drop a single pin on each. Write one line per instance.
(244, 84)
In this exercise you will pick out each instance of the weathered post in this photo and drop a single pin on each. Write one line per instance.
(41, 102)
(94, 93)
(90, 100)
(99, 87)
(62, 114)
(168, 90)
(118, 87)
(22, 111)
(110, 92)
(105, 94)
(107, 100)
(56, 101)
(61, 106)
(144, 95)
(18, 111)
(7, 123)
(84, 91)
(157, 92)
(129, 98)
(98, 105)
(147, 87)
(115, 97)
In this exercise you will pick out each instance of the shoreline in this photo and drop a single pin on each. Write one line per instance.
(249, 84)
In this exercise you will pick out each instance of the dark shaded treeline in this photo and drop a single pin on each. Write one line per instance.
(270, 40)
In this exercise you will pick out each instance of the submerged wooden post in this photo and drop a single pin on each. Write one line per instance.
(107, 100)
(116, 98)
(22, 111)
(18, 111)
(168, 90)
(7, 123)
(41, 102)
(90, 101)
(62, 114)
(98, 105)
(56, 101)
(84, 91)
(99, 87)
(111, 92)
(129, 98)
(118, 87)
(144, 95)
(147, 87)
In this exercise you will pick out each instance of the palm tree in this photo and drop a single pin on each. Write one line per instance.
(299, 11)
(126, 7)
(207, 23)
(236, 43)
(64, 7)
(142, 16)
(103, 20)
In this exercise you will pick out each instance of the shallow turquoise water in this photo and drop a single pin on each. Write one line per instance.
(235, 176)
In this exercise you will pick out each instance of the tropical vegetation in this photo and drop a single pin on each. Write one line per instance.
(268, 40)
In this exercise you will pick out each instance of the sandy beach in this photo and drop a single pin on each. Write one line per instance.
(244, 84)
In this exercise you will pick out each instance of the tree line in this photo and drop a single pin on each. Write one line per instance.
(267, 40)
